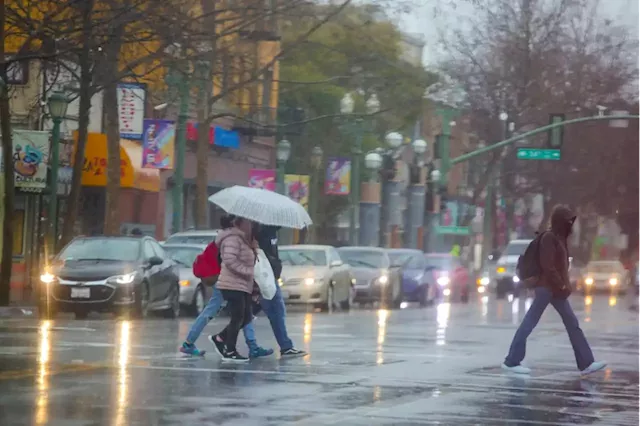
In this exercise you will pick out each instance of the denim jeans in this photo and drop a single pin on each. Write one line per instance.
(276, 312)
(544, 296)
(209, 312)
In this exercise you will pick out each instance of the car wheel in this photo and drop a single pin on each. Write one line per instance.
(141, 309)
(173, 311)
(80, 315)
(348, 303)
(197, 306)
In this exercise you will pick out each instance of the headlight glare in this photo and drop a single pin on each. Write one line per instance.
(47, 278)
(484, 281)
(124, 279)
(309, 281)
(501, 270)
(516, 279)
(184, 283)
(383, 279)
(443, 281)
(613, 281)
(588, 281)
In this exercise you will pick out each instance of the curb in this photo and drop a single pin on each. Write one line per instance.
(18, 312)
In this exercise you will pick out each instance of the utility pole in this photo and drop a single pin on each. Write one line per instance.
(182, 83)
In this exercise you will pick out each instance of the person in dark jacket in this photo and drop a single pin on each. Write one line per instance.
(267, 237)
(553, 286)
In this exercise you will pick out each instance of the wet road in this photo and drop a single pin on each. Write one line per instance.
(438, 365)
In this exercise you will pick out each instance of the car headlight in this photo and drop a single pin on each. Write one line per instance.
(483, 281)
(516, 279)
(47, 278)
(443, 281)
(481, 289)
(613, 281)
(124, 279)
(588, 281)
(501, 269)
(185, 283)
(309, 281)
(383, 279)
(353, 281)
(280, 282)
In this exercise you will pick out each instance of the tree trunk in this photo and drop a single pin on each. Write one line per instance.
(85, 94)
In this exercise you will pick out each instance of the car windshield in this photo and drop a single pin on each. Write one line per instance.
(191, 239)
(110, 249)
(183, 255)
(516, 249)
(363, 259)
(303, 257)
(400, 258)
(439, 262)
(606, 267)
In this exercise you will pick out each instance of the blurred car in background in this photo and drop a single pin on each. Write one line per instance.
(193, 294)
(451, 276)
(110, 274)
(418, 279)
(603, 276)
(376, 280)
(315, 275)
(204, 236)
(505, 272)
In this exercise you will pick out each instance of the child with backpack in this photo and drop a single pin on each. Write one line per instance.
(207, 267)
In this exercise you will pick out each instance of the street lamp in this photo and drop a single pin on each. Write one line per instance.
(347, 104)
(283, 151)
(503, 116)
(419, 146)
(373, 104)
(373, 163)
(314, 196)
(394, 140)
(57, 104)
(316, 157)
(435, 176)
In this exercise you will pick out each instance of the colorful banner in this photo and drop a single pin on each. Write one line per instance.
(263, 179)
(338, 178)
(297, 188)
(158, 144)
(131, 101)
(30, 159)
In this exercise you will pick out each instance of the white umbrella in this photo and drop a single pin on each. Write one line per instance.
(262, 206)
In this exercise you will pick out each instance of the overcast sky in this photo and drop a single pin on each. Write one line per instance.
(422, 21)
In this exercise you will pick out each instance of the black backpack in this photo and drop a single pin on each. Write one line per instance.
(529, 263)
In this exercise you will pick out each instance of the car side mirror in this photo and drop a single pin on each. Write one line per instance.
(154, 261)
(336, 264)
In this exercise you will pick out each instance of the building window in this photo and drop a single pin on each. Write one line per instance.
(17, 72)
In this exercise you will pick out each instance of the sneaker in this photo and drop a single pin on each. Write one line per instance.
(234, 356)
(516, 369)
(291, 352)
(190, 349)
(220, 347)
(259, 352)
(595, 366)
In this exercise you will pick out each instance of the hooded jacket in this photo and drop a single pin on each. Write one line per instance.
(238, 261)
(554, 254)
(268, 241)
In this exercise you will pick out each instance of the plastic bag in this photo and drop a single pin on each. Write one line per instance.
(263, 276)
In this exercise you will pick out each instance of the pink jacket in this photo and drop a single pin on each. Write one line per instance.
(238, 261)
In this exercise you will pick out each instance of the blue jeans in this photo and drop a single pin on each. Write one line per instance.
(276, 312)
(209, 312)
(544, 296)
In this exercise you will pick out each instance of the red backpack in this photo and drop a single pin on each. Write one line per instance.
(207, 264)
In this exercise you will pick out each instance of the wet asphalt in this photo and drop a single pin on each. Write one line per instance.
(437, 365)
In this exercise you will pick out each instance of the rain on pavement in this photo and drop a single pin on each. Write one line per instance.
(438, 365)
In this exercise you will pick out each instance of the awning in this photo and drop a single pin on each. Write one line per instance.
(132, 175)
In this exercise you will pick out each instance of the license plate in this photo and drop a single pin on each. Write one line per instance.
(285, 295)
(80, 293)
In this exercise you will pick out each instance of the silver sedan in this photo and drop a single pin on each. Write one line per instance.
(193, 294)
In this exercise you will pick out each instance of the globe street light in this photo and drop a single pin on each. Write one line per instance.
(503, 116)
(347, 104)
(373, 104)
(394, 140)
(283, 151)
(435, 176)
(316, 157)
(419, 146)
(373, 163)
(57, 104)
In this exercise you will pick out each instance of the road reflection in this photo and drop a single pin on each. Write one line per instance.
(515, 310)
(307, 330)
(44, 354)
(613, 300)
(123, 379)
(443, 311)
(588, 301)
(484, 300)
(377, 393)
(383, 315)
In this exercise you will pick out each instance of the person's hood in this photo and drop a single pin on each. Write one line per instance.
(226, 233)
(562, 220)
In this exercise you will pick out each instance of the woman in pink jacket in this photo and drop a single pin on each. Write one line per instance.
(238, 254)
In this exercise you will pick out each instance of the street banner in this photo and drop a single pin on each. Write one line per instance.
(297, 188)
(338, 178)
(158, 144)
(263, 179)
(131, 101)
(30, 159)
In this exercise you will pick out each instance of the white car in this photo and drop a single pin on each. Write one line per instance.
(204, 236)
(315, 275)
(505, 269)
(604, 276)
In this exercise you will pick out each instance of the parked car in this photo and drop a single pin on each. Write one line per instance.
(193, 294)
(204, 236)
(376, 280)
(452, 277)
(111, 274)
(417, 278)
(315, 275)
(604, 276)
(506, 279)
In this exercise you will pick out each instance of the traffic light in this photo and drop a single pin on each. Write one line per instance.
(556, 135)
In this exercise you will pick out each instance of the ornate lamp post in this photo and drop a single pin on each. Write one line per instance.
(57, 104)
(314, 196)
(283, 152)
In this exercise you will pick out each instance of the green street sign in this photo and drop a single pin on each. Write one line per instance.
(538, 154)
(453, 230)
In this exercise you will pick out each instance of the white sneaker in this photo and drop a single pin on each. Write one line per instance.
(595, 366)
(517, 369)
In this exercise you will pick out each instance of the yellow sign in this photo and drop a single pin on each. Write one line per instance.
(132, 175)
(297, 188)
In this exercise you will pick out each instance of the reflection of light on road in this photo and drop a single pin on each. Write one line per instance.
(613, 301)
(515, 309)
(383, 315)
(510, 298)
(588, 301)
(404, 305)
(377, 393)
(123, 361)
(44, 353)
(442, 318)
(306, 336)
(527, 303)
(485, 307)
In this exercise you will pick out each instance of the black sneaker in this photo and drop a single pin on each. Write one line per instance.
(220, 347)
(291, 352)
(234, 356)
